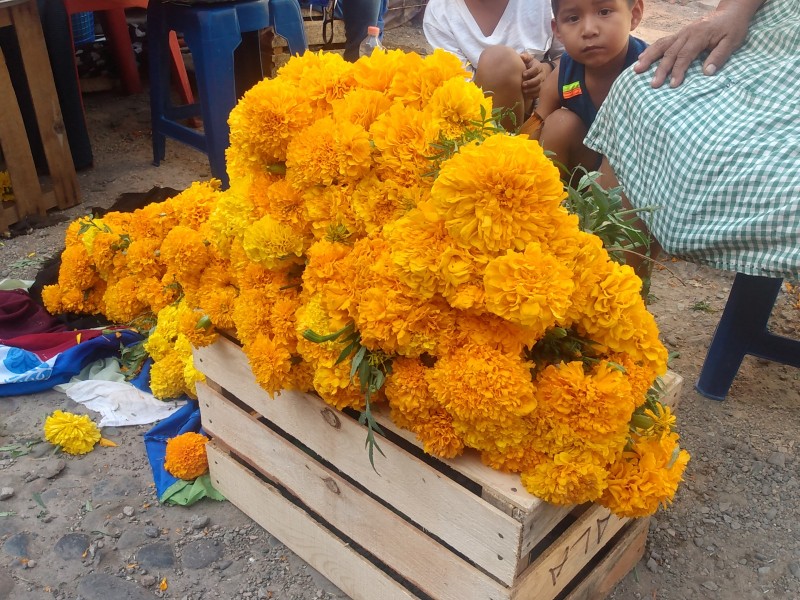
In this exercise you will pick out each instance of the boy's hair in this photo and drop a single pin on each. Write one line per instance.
(556, 3)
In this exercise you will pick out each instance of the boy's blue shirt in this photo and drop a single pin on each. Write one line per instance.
(572, 84)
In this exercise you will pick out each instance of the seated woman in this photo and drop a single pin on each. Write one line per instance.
(718, 153)
(507, 44)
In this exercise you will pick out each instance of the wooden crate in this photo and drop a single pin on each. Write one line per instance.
(418, 527)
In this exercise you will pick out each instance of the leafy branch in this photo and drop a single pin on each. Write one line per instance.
(371, 366)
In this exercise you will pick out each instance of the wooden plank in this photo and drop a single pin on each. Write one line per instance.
(627, 551)
(391, 539)
(673, 386)
(557, 566)
(353, 574)
(45, 103)
(17, 153)
(426, 496)
(5, 18)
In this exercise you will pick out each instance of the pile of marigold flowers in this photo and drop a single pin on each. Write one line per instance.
(382, 242)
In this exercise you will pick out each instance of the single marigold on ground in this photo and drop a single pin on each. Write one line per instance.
(185, 457)
(76, 434)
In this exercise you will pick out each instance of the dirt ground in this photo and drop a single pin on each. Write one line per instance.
(91, 528)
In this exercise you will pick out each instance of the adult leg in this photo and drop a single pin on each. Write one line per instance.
(358, 15)
(499, 73)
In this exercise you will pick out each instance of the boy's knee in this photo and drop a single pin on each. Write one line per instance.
(565, 123)
(500, 64)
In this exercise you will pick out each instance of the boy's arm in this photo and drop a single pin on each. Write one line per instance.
(549, 102)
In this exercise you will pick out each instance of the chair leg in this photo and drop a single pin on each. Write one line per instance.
(159, 77)
(287, 21)
(742, 325)
(120, 41)
(216, 84)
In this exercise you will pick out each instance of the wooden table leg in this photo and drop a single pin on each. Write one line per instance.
(28, 27)
(18, 158)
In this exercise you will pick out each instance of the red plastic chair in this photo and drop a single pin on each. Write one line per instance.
(116, 29)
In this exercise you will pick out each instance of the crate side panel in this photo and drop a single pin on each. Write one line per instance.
(410, 552)
(627, 551)
(353, 574)
(432, 500)
(557, 566)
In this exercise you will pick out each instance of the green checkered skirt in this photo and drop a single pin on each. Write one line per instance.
(719, 156)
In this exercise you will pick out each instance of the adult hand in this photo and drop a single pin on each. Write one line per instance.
(533, 76)
(721, 33)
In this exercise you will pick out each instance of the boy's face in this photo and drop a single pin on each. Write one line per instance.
(594, 32)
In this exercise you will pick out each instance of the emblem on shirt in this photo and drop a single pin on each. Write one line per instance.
(570, 90)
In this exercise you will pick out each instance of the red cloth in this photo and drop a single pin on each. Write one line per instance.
(20, 315)
(47, 345)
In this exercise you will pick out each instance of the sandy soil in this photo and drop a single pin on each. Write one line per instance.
(91, 528)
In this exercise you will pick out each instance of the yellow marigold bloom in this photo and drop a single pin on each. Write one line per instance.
(76, 269)
(456, 105)
(656, 423)
(514, 458)
(530, 288)
(646, 477)
(143, 258)
(377, 72)
(361, 107)
(438, 436)
(153, 221)
(641, 376)
(232, 213)
(312, 315)
(301, 376)
(121, 302)
(612, 297)
(51, 298)
(185, 253)
(217, 293)
(270, 362)
(282, 321)
(462, 273)
(334, 386)
(484, 330)
(331, 207)
(328, 152)
(323, 263)
(76, 434)
(402, 139)
(194, 205)
(584, 411)
(185, 455)
(166, 376)
(282, 202)
(106, 253)
(498, 195)
(410, 400)
(272, 244)
(324, 77)
(417, 243)
(250, 315)
(377, 202)
(416, 81)
(491, 384)
(152, 292)
(197, 327)
(263, 123)
(566, 480)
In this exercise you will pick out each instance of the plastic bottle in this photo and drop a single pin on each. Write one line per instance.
(371, 42)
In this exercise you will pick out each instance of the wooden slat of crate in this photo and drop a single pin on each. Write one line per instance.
(353, 574)
(434, 501)
(391, 539)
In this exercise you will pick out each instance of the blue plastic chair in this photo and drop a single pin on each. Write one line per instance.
(212, 32)
(742, 330)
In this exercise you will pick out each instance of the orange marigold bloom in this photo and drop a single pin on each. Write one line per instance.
(567, 479)
(185, 456)
(270, 361)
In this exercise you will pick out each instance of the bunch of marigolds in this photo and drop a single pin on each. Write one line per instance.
(372, 199)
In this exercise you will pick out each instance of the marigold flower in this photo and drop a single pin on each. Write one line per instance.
(185, 456)
(75, 434)
(566, 480)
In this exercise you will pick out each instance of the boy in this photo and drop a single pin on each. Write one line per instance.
(597, 48)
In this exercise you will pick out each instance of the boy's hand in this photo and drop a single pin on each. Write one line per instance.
(533, 76)
(721, 33)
